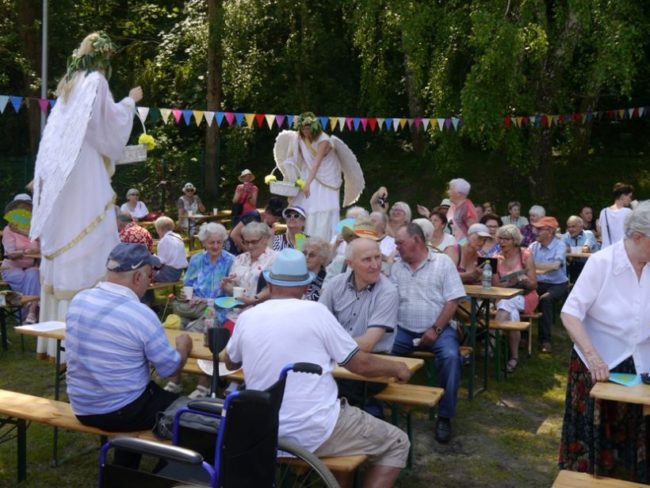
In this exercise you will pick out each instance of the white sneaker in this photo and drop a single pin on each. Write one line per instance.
(200, 392)
(173, 387)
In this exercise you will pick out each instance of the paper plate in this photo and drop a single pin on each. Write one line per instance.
(344, 223)
(227, 302)
(207, 367)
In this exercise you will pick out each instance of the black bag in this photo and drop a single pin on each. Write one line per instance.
(164, 426)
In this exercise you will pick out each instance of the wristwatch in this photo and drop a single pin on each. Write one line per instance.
(438, 330)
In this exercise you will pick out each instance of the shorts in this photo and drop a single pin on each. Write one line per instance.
(357, 432)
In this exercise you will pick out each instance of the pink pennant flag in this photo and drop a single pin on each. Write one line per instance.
(177, 113)
(43, 103)
(364, 123)
(348, 122)
(230, 118)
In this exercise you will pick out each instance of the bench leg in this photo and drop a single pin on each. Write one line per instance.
(3, 328)
(22, 449)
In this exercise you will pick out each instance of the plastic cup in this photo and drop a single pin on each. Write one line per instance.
(215, 211)
(238, 292)
(188, 291)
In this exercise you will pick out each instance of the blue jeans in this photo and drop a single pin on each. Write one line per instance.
(447, 358)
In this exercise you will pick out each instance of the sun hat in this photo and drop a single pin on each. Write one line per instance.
(129, 257)
(445, 202)
(479, 229)
(547, 222)
(132, 191)
(246, 172)
(289, 269)
(363, 228)
(188, 186)
(296, 208)
(341, 224)
(22, 200)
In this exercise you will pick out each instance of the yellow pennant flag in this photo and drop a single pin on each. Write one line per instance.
(198, 116)
(249, 120)
(621, 113)
(165, 113)
(269, 120)
(402, 123)
(333, 122)
(518, 121)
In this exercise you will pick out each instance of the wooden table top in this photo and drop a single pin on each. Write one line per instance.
(200, 351)
(493, 293)
(638, 394)
(578, 255)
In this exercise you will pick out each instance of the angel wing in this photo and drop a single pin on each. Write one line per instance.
(352, 173)
(60, 147)
(284, 153)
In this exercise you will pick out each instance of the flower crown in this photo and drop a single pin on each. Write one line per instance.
(307, 119)
(97, 59)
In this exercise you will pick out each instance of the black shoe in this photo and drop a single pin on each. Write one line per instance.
(443, 430)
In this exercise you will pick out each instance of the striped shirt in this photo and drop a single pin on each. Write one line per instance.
(110, 340)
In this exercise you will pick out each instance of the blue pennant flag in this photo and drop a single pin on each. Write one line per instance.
(290, 119)
(239, 117)
(324, 121)
(389, 124)
(187, 116)
(219, 118)
(16, 102)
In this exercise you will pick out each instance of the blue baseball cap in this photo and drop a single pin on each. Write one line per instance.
(129, 257)
(289, 269)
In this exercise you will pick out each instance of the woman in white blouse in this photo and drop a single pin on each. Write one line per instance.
(134, 206)
(612, 218)
(607, 316)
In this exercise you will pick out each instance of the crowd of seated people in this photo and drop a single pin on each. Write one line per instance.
(392, 282)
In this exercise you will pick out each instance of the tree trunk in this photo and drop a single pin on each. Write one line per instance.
(215, 65)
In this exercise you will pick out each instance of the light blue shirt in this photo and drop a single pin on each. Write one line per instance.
(110, 339)
(205, 276)
(554, 252)
(585, 237)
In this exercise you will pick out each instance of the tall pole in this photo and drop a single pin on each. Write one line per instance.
(44, 62)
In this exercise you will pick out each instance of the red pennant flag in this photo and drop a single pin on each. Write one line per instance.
(560, 118)
(507, 122)
(373, 123)
(259, 118)
(524, 120)
(544, 120)
(635, 113)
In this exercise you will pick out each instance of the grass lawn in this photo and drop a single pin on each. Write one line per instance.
(507, 436)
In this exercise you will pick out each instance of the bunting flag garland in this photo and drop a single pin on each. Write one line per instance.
(342, 123)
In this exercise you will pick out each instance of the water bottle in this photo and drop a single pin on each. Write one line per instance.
(487, 275)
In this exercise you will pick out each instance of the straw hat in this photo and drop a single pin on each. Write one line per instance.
(246, 172)
(364, 228)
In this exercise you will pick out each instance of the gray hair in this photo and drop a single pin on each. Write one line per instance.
(164, 223)
(537, 210)
(322, 248)
(460, 185)
(427, 228)
(256, 228)
(356, 213)
(638, 220)
(404, 207)
(124, 217)
(511, 231)
(381, 215)
(212, 228)
(574, 219)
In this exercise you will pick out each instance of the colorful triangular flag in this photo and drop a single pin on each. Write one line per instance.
(270, 119)
(165, 113)
(208, 115)
(198, 116)
(249, 120)
(16, 102)
(143, 113)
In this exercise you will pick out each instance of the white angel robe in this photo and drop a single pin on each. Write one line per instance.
(295, 157)
(74, 215)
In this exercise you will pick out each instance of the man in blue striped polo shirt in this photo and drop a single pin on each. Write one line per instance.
(111, 338)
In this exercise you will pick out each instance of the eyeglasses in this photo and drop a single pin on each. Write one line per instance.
(310, 254)
(292, 215)
(251, 242)
(495, 226)
(504, 238)
(190, 190)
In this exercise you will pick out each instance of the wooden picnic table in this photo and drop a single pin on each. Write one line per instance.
(5, 310)
(480, 313)
(578, 255)
(638, 394)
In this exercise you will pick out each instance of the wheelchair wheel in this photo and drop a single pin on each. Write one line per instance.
(303, 469)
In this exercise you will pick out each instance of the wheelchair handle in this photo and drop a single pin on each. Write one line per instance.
(309, 368)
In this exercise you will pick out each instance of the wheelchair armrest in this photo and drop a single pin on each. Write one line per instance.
(142, 446)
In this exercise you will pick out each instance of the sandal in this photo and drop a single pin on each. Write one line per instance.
(173, 387)
(512, 365)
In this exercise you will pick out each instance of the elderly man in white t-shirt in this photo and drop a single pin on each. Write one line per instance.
(286, 329)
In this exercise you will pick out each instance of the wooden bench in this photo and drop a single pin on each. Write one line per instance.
(18, 408)
(466, 354)
(501, 326)
(573, 479)
(162, 284)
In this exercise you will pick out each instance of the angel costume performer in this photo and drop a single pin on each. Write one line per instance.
(74, 215)
(299, 154)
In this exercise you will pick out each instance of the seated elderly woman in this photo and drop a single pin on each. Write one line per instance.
(514, 216)
(441, 240)
(294, 236)
(204, 274)
(469, 270)
(270, 216)
(248, 266)
(528, 232)
(318, 255)
(515, 269)
(134, 206)
(492, 222)
(18, 270)
(171, 252)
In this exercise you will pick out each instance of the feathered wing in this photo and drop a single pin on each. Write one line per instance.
(352, 173)
(284, 152)
(59, 149)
